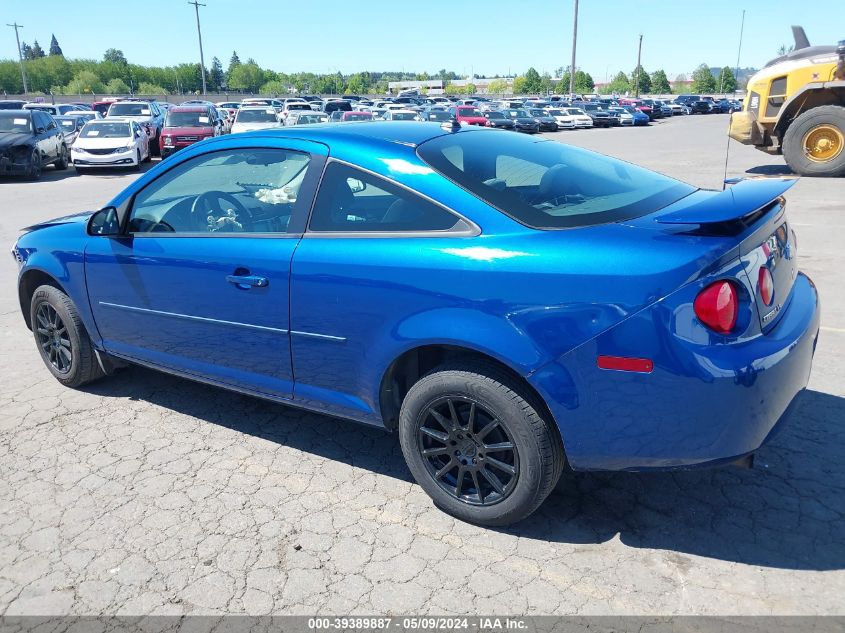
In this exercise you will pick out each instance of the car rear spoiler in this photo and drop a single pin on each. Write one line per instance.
(733, 204)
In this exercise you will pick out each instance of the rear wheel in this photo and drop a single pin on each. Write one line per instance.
(137, 165)
(61, 338)
(814, 143)
(478, 445)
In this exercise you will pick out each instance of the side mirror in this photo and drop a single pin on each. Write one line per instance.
(40, 130)
(104, 222)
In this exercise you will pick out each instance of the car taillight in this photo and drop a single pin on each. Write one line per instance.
(717, 306)
(766, 285)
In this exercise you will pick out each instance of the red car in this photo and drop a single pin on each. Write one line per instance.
(185, 125)
(469, 115)
(640, 105)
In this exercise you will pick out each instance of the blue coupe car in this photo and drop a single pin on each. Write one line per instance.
(506, 303)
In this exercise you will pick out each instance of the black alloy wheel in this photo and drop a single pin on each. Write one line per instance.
(468, 452)
(53, 339)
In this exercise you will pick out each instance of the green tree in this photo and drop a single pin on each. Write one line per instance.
(660, 83)
(533, 81)
(703, 80)
(452, 89)
(645, 80)
(55, 49)
(546, 84)
(234, 62)
(47, 73)
(37, 51)
(147, 88)
(84, 82)
(727, 81)
(620, 84)
(680, 86)
(497, 87)
(273, 87)
(470, 89)
(562, 87)
(115, 56)
(26, 51)
(10, 77)
(117, 87)
(518, 85)
(215, 75)
(584, 82)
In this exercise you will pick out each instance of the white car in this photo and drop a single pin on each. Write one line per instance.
(564, 120)
(227, 119)
(580, 118)
(85, 115)
(255, 118)
(402, 115)
(111, 142)
(294, 106)
(678, 108)
(306, 117)
(625, 117)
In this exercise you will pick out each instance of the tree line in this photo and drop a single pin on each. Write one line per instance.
(704, 80)
(54, 73)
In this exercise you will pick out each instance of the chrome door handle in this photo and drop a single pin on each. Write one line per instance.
(248, 281)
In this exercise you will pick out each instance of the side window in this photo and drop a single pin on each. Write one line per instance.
(51, 123)
(351, 200)
(231, 191)
(777, 96)
(516, 172)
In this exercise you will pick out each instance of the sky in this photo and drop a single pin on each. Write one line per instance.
(485, 37)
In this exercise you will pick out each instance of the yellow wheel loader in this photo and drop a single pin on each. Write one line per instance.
(795, 106)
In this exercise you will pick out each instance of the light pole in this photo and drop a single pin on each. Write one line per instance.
(197, 6)
(639, 55)
(17, 26)
(574, 42)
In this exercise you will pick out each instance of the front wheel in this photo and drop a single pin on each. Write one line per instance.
(478, 445)
(61, 338)
(34, 166)
(814, 143)
(62, 161)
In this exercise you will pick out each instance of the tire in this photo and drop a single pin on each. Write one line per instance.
(137, 165)
(57, 326)
(833, 118)
(536, 455)
(34, 166)
(154, 148)
(149, 156)
(62, 162)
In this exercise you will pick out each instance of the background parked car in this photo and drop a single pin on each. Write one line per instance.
(29, 140)
(255, 118)
(187, 124)
(701, 107)
(402, 115)
(112, 142)
(306, 118)
(600, 116)
(54, 110)
(147, 114)
(468, 114)
(522, 122)
(70, 127)
(85, 115)
(498, 119)
(356, 115)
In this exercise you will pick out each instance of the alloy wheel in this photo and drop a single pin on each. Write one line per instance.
(468, 452)
(53, 338)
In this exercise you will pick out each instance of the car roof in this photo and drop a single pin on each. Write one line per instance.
(410, 133)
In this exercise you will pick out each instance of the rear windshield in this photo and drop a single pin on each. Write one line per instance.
(187, 119)
(257, 116)
(547, 185)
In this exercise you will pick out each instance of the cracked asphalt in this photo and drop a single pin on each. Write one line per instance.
(147, 494)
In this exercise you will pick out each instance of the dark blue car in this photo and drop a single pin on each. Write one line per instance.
(505, 303)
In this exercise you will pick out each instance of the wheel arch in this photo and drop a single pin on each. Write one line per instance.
(29, 282)
(412, 364)
(810, 96)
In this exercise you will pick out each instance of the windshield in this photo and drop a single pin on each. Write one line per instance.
(130, 109)
(298, 106)
(14, 123)
(304, 119)
(438, 115)
(358, 116)
(549, 185)
(469, 112)
(105, 130)
(187, 119)
(537, 112)
(68, 125)
(495, 115)
(517, 114)
(575, 111)
(83, 115)
(257, 116)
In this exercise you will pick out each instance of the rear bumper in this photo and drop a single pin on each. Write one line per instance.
(702, 404)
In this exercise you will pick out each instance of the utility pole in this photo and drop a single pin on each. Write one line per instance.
(17, 26)
(574, 42)
(197, 6)
(639, 56)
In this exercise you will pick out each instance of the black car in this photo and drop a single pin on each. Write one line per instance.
(436, 115)
(727, 106)
(600, 116)
(701, 107)
(30, 139)
(546, 121)
(522, 122)
(11, 104)
(498, 119)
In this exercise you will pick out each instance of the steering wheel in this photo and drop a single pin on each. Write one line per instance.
(209, 215)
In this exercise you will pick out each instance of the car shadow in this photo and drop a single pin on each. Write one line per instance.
(787, 512)
(770, 170)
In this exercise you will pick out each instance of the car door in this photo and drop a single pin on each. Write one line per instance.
(198, 280)
(43, 140)
(350, 287)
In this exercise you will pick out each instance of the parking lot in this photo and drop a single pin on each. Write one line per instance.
(146, 493)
